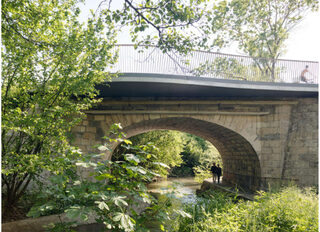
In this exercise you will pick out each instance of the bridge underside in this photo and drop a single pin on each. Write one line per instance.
(240, 161)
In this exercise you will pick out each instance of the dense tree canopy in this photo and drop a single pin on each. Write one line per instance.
(169, 145)
(183, 154)
(198, 155)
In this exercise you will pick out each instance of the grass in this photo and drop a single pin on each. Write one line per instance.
(289, 209)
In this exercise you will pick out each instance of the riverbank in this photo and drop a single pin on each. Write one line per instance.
(209, 185)
(287, 209)
(217, 207)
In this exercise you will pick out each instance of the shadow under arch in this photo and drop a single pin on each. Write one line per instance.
(240, 161)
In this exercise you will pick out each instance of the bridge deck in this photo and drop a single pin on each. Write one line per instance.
(161, 85)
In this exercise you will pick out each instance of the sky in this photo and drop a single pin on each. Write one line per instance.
(302, 44)
(304, 40)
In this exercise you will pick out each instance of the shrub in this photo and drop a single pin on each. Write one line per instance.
(113, 192)
(290, 209)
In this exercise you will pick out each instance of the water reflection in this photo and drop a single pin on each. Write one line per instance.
(182, 188)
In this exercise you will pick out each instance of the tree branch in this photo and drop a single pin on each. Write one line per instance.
(142, 16)
(37, 43)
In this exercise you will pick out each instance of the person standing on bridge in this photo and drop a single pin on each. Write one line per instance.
(219, 172)
(214, 170)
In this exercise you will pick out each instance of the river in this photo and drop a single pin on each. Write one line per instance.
(183, 188)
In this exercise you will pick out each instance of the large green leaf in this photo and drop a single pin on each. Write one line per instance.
(119, 201)
(125, 221)
(102, 205)
(132, 158)
(137, 169)
(73, 212)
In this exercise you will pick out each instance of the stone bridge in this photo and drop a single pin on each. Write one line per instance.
(266, 133)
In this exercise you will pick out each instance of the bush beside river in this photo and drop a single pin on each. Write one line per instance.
(289, 209)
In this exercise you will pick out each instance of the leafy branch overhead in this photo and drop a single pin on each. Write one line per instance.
(170, 25)
(259, 28)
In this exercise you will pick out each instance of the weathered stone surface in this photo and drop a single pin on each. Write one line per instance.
(269, 137)
(99, 117)
(259, 142)
(302, 143)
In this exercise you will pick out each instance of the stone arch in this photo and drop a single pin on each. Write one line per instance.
(240, 160)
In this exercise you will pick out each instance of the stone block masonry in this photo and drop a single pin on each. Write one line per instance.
(261, 142)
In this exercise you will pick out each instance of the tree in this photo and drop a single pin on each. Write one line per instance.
(202, 153)
(196, 154)
(173, 26)
(260, 27)
(169, 145)
(51, 64)
(181, 152)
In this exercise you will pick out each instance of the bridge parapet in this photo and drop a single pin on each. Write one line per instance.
(150, 59)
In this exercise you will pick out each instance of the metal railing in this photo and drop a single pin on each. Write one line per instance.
(213, 65)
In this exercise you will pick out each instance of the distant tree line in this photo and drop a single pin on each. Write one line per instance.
(184, 154)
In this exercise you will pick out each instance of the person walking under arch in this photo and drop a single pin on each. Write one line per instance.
(214, 171)
(219, 172)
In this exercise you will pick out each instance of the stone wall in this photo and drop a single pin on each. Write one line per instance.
(301, 150)
(260, 142)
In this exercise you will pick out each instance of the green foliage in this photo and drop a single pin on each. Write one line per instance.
(234, 68)
(168, 146)
(207, 205)
(50, 66)
(290, 209)
(111, 191)
(182, 153)
(166, 24)
(202, 171)
(193, 148)
(259, 27)
(222, 67)
(198, 156)
(169, 143)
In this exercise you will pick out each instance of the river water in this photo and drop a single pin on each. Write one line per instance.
(183, 188)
